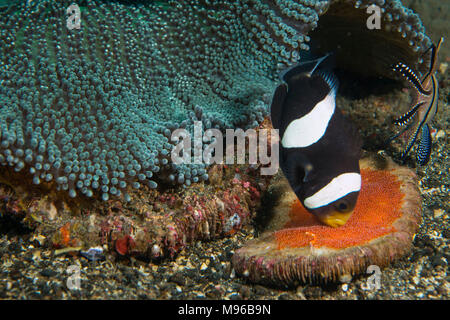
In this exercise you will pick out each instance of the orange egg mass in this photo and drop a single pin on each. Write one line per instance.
(378, 206)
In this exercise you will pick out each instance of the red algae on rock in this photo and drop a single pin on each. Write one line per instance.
(298, 248)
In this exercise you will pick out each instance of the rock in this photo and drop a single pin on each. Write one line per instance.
(438, 260)
(48, 273)
(446, 233)
(443, 67)
(284, 296)
(438, 212)
(178, 278)
(440, 134)
(345, 278)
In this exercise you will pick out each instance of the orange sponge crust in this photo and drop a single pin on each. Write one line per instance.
(379, 205)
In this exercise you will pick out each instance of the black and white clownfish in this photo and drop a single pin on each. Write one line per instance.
(319, 149)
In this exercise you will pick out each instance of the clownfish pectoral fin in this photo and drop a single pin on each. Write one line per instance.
(276, 109)
(404, 119)
(424, 150)
(303, 162)
(298, 170)
(308, 169)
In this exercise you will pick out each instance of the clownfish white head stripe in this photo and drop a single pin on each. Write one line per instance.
(336, 189)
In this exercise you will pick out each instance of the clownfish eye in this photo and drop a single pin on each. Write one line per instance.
(343, 206)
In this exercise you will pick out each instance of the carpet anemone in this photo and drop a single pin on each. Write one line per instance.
(91, 110)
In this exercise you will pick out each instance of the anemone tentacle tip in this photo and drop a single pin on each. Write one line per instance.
(298, 249)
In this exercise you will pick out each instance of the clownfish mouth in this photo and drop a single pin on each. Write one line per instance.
(335, 218)
(334, 203)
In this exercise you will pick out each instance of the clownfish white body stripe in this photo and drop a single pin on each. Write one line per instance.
(308, 129)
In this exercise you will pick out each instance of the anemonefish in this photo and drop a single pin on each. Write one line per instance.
(319, 149)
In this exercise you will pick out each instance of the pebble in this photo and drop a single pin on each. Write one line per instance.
(438, 212)
(440, 134)
(438, 260)
(245, 291)
(345, 278)
(283, 296)
(313, 292)
(443, 67)
(48, 273)
(37, 255)
(446, 233)
(178, 278)
(300, 294)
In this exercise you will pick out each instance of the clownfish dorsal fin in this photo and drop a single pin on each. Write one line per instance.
(306, 68)
(331, 80)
